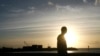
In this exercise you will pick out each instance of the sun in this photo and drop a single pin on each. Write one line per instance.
(71, 38)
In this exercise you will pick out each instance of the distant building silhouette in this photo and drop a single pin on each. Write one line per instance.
(33, 47)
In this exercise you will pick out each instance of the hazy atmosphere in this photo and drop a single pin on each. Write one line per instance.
(40, 21)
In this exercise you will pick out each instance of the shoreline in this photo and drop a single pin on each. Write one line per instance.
(48, 54)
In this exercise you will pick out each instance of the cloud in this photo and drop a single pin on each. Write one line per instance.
(97, 2)
(95, 42)
(50, 3)
(17, 10)
(2, 5)
(68, 8)
(30, 12)
(32, 8)
(85, 1)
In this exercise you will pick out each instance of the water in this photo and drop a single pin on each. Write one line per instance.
(76, 51)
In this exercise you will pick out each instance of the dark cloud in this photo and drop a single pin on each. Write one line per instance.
(40, 4)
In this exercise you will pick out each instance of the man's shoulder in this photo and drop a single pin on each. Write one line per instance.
(59, 35)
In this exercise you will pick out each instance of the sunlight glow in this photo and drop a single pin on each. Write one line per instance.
(71, 38)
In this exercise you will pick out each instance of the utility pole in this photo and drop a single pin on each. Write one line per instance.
(25, 43)
(88, 47)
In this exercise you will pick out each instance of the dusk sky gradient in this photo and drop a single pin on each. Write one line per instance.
(39, 22)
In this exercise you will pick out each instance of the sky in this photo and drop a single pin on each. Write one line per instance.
(39, 22)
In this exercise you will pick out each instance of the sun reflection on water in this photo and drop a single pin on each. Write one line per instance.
(70, 51)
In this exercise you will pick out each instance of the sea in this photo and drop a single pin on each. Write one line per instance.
(69, 51)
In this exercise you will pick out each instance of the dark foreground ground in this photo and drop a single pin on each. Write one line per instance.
(48, 54)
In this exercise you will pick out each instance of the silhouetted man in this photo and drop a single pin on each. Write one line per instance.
(61, 43)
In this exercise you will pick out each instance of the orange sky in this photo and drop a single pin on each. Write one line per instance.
(39, 22)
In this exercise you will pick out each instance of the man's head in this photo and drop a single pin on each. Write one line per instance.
(63, 30)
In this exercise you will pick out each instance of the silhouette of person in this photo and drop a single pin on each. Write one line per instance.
(61, 43)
